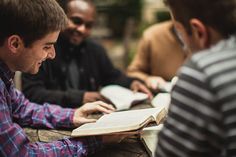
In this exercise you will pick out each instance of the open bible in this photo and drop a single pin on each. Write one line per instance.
(122, 98)
(161, 100)
(122, 122)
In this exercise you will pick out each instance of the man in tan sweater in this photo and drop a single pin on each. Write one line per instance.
(159, 56)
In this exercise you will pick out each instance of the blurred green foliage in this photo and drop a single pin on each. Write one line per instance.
(118, 12)
(162, 15)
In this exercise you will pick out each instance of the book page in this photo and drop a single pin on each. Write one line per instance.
(166, 88)
(149, 137)
(161, 100)
(122, 97)
(118, 122)
(169, 85)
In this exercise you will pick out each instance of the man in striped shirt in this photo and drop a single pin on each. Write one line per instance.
(28, 30)
(202, 115)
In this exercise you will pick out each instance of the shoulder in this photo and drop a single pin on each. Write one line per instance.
(159, 28)
(90, 43)
(3, 89)
(221, 53)
(2, 85)
(214, 64)
(94, 47)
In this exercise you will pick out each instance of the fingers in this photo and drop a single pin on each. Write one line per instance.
(87, 120)
(138, 86)
(98, 106)
(151, 85)
(134, 86)
(155, 83)
(103, 107)
(144, 89)
(78, 121)
(81, 114)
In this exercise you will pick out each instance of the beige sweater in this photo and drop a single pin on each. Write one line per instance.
(159, 53)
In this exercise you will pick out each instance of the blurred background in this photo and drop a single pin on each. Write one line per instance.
(120, 24)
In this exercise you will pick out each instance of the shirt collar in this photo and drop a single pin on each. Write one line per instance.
(68, 50)
(6, 74)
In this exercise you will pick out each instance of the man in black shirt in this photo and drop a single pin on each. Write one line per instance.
(81, 66)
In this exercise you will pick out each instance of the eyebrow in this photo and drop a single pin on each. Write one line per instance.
(86, 21)
(50, 43)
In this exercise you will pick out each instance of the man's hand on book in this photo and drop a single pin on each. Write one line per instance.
(137, 86)
(81, 114)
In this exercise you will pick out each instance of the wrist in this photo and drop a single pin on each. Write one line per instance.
(74, 118)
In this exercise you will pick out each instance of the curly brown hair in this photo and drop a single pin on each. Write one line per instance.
(63, 3)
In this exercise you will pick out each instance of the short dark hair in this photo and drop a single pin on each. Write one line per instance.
(63, 3)
(218, 14)
(30, 19)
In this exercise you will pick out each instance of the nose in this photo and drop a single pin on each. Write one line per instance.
(81, 28)
(51, 53)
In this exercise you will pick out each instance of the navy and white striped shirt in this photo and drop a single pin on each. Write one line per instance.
(202, 116)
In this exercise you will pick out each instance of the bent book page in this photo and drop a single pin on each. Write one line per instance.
(149, 138)
(122, 98)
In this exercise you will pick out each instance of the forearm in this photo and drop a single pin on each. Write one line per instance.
(50, 116)
(19, 145)
(46, 115)
(138, 74)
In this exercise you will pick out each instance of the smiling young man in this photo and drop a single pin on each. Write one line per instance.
(28, 32)
(201, 120)
(81, 66)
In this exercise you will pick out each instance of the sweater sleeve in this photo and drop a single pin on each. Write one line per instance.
(35, 88)
(140, 66)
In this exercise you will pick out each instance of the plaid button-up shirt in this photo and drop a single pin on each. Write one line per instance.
(17, 111)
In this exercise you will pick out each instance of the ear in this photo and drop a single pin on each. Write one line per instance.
(14, 43)
(200, 33)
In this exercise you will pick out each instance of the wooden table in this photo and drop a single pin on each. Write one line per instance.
(130, 147)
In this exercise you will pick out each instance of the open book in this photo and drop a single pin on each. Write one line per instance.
(121, 122)
(161, 100)
(122, 98)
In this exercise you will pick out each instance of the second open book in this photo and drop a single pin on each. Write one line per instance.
(122, 98)
(121, 122)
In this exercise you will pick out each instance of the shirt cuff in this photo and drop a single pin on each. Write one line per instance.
(87, 145)
(72, 117)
